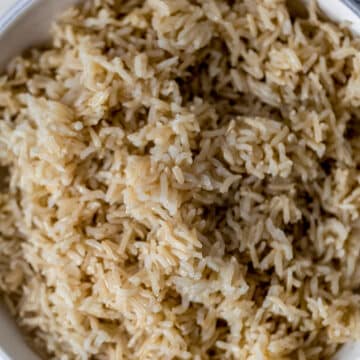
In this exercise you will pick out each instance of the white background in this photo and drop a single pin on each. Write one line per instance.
(5, 4)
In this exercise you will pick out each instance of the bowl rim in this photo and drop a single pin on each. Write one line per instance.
(13, 12)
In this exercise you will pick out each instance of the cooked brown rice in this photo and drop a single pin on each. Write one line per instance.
(184, 183)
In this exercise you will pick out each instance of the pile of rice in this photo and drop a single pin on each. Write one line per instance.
(184, 183)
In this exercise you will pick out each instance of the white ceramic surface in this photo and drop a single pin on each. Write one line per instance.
(26, 23)
(341, 11)
(5, 4)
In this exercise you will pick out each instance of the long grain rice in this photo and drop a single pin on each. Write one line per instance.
(184, 183)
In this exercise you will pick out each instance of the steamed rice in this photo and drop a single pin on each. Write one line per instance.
(184, 183)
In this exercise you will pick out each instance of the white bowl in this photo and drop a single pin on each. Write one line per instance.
(26, 24)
